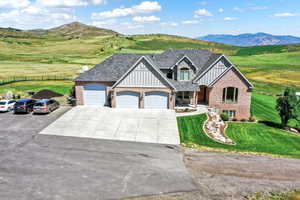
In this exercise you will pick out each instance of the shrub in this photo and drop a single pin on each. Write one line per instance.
(224, 117)
(252, 119)
(234, 119)
(243, 120)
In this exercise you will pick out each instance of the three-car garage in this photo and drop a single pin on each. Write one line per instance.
(97, 95)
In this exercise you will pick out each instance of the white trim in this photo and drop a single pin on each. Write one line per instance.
(239, 72)
(135, 65)
(203, 73)
(218, 78)
(185, 56)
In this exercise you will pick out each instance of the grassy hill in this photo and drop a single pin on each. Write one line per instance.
(64, 50)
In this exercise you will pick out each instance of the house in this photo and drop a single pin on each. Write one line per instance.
(165, 81)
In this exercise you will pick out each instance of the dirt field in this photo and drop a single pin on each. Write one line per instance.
(232, 176)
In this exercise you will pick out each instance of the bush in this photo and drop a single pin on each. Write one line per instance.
(252, 119)
(234, 119)
(243, 120)
(224, 117)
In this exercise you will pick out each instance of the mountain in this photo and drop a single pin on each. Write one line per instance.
(257, 39)
(77, 29)
(72, 30)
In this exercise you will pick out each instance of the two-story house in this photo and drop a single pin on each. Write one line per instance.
(165, 81)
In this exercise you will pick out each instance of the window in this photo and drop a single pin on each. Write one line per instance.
(230, 113)
(230, 94)
(170, 75)
(184, 74)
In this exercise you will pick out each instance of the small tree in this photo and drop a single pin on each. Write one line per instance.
(287, 106)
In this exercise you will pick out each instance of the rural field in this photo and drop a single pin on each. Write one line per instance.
(26, 56)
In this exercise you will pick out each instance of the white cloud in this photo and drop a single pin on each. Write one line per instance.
(221, 10)
(287, 14)
(191, 22)
(238, 9)
(14, 3)
(145, 7)
(36, 17)
(146, 19)
(169, 24)
(69, 3)
(230, 18)
(32, 10)
(202, 12)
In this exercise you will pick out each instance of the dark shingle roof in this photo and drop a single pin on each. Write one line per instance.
(184, 86)
(113, 68)
(110, 69)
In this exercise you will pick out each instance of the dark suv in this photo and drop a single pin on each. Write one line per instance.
(24, 106)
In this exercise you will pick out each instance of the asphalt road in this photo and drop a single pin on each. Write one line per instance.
(42, 167)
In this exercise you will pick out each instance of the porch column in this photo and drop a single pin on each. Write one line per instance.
(195, 99)
(113, 98)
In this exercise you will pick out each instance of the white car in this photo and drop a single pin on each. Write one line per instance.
(7, 105)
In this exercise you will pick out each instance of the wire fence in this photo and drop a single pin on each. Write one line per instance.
(35, 78)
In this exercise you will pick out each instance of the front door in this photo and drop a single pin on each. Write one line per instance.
(202, 94)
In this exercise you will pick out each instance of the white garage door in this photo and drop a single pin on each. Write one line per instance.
(94, 95)
(127, 100)
(156, 100)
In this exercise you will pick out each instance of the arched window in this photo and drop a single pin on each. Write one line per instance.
(230, 94)
(184, 74)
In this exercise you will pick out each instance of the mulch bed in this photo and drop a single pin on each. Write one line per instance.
(46, 94)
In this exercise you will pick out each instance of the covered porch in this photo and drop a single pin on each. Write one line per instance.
(192, 98)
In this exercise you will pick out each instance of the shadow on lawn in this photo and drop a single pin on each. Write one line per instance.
(271, 124)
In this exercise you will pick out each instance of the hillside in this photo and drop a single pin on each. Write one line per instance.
(77, 30)
(248, 39)
(63, 51)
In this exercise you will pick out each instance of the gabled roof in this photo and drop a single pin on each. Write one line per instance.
(148, 60)
(238, 72)
(115, 67)
(111, 69)
(170, 57)
(211, 61)
(187, 58)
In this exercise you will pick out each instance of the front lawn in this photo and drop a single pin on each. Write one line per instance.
(62, 87)
(250, 137)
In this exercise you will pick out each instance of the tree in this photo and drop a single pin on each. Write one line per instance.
(287, 106)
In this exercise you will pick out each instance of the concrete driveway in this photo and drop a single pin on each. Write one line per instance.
(48, 167)
(138, 125)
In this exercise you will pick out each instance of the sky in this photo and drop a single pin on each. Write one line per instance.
(190, 18)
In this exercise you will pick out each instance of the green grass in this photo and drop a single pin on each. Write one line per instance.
(267, 49)
(250, 137)
(293, 195)
(270, 68)
(62, 87)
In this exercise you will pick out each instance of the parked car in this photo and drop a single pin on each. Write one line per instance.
(45, 106)
(7, 105)
(24, 106)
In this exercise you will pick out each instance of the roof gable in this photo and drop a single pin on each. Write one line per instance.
(212, 71)
(143, 74)
(238, 72)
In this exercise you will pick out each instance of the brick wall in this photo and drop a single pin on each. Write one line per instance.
(231, 79)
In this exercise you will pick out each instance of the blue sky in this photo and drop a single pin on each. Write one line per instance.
(188, 18)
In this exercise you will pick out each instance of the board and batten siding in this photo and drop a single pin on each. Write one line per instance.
(213, 73)
(141, 76)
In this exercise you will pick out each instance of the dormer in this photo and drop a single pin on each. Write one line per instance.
(184, 70)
